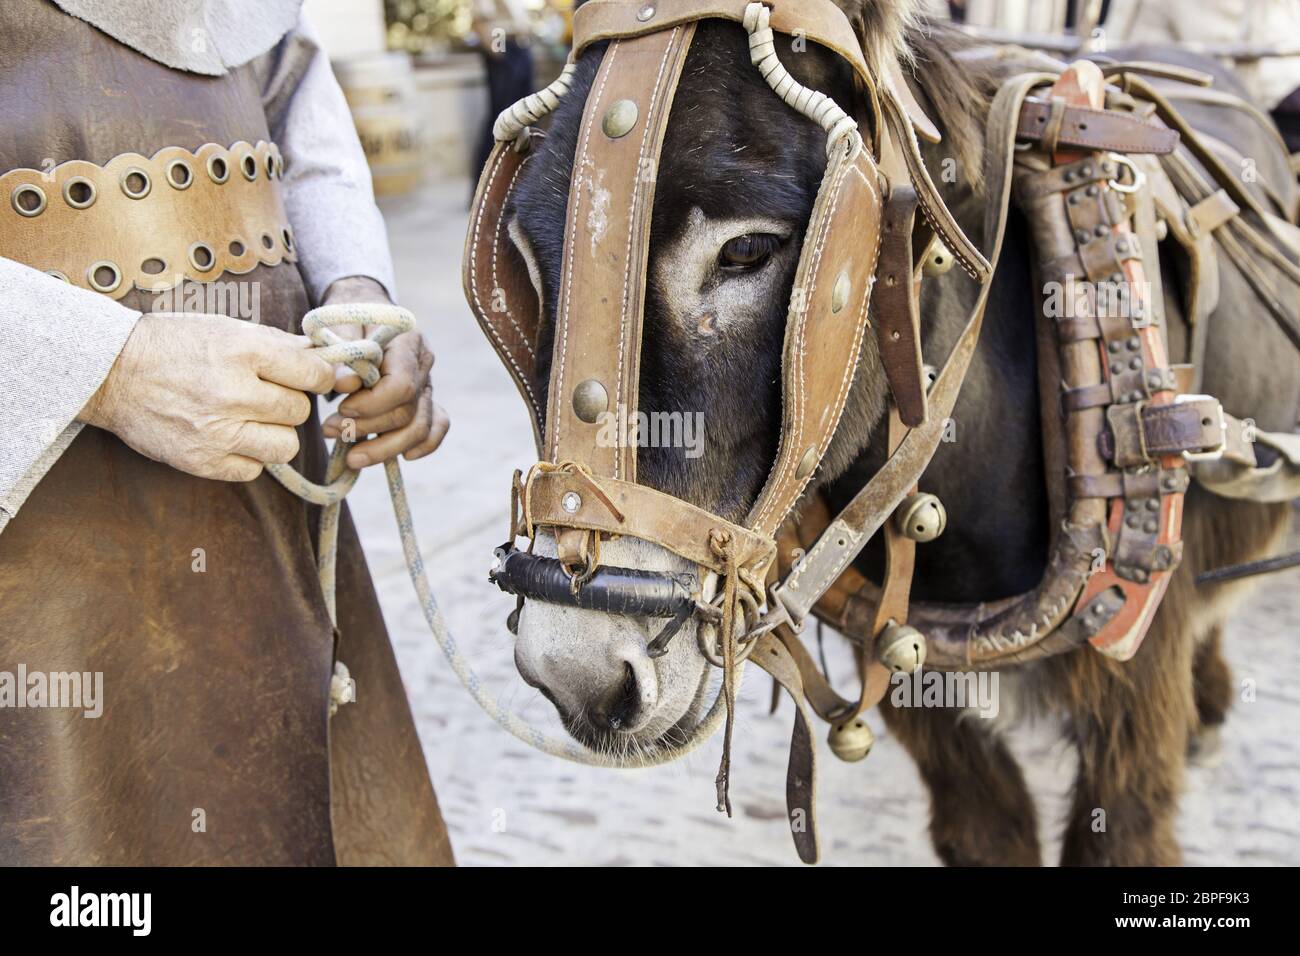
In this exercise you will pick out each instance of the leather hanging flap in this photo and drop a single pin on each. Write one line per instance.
(498, 288)
(597, 351)
(824, 329)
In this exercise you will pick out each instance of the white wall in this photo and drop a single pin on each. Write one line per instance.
(348, 27)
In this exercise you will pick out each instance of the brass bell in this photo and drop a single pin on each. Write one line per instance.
(938, 260)
(901, 648)
(921, 517)
(851, 740)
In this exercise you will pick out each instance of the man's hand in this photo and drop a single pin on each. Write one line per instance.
(210, 395)
(399, 410)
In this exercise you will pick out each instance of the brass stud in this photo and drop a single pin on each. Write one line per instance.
(620, 119)
(590, 401)
(27, 189)
(571, 502)
(88, 192)
(646, 13)
(840, 295)
(102, 285)
(806, 464)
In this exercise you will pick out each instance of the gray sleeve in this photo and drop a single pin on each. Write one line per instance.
(337, 226)
(57, 344)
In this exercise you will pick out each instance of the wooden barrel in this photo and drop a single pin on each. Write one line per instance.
(380, 91)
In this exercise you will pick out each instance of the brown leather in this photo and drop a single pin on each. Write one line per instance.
(1140, 433)
(820, 21)
(1093, 129)
(897, 309)
(169, 233)
(641, 512)
(801, 772)
(606, 245)
(216, 681)
(822, 342)
(496, 281)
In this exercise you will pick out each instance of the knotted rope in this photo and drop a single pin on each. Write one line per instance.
(363, 357)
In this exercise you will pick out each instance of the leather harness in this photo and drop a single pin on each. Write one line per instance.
(1120, 445)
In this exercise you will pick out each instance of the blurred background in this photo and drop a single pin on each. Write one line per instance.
(423, 77)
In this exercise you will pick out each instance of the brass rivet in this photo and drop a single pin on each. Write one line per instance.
(620, 118)
(646, 12)
(806, 464)
(571, 502)
(840, 295)
(590, 401)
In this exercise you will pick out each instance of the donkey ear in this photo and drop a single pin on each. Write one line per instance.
(881, 26)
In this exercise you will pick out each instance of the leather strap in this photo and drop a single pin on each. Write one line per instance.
(874, 503)
(801, 773)
(1055, 123)
(897, 307)
(597, 351)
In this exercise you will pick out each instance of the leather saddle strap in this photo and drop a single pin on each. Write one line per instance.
(801, 774)
(874, 503)
(597, 348)
(1056, 123)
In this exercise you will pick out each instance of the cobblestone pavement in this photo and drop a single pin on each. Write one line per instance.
(506, 804)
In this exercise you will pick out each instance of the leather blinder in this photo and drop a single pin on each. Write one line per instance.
(824, 328)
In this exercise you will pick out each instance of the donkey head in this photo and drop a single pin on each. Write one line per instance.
(735, 189)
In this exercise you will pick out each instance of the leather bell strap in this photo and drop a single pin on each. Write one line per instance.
(837, 547)
(149, 222)
(597, 341)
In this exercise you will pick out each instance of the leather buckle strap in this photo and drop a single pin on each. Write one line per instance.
(897, 311)
(1193, 426)
(1057, 124)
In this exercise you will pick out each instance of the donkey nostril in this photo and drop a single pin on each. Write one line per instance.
(621, 706)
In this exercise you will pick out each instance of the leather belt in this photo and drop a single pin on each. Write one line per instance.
(149, 222)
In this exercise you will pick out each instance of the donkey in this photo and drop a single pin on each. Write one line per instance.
(736, 186)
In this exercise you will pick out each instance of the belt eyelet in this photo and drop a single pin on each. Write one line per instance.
(89, 195)
(92, 276)
(135, 173)
(28, 189)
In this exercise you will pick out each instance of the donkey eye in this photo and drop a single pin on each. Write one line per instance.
(748, 252)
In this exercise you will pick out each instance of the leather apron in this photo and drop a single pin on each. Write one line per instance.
(214, 745)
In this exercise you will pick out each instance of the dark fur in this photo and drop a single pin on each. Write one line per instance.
(733, 145)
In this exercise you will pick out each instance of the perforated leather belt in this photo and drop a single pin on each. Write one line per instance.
(148, 223)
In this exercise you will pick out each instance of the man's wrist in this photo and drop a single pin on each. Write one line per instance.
(355, 289)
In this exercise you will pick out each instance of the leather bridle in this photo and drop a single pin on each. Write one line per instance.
(858, 245)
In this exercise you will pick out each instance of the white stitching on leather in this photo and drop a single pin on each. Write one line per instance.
(478, 302)
(562, 313)
(627, 258)
(496, 245)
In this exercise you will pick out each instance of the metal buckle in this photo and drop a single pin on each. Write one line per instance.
(1215, 453)
(1139, 177)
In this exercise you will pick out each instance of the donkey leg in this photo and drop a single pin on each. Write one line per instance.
(1212, 686)
(981, 813)
(1131, 722)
